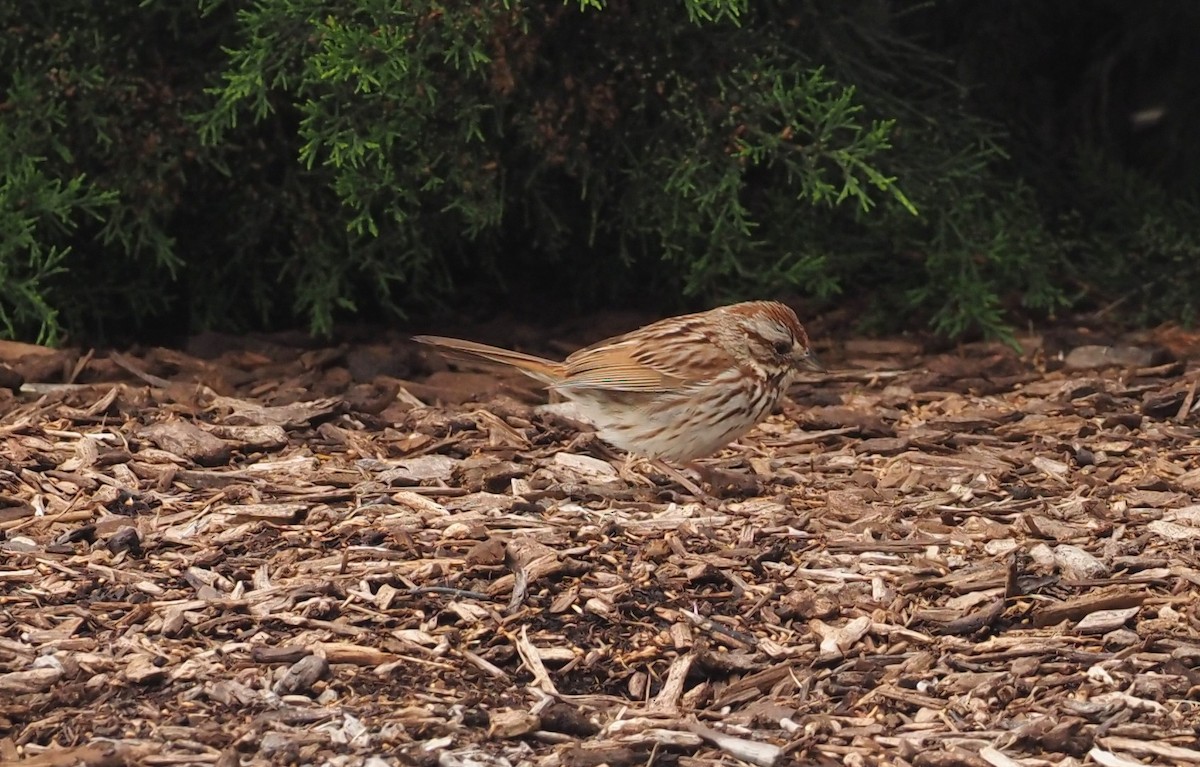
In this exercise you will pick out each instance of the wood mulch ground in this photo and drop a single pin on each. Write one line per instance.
(258, 551)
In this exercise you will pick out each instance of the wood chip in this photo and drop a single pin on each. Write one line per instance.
(263, 555)
(188, 440)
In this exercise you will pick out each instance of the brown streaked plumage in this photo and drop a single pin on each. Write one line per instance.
(679, 388)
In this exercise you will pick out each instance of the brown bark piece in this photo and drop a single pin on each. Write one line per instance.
(189, 441)
(1004, 574)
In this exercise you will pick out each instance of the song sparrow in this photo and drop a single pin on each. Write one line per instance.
(679, 388)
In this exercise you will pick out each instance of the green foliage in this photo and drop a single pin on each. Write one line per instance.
(447, 132)
(239, 164)
(1135, 246)
(38, 213)
(1104, 131)
(95, 153)
(35, 212)
(388, 104)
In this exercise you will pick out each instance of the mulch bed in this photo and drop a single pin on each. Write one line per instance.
(263, 552)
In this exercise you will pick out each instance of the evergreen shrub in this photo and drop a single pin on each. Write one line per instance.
(257, 164)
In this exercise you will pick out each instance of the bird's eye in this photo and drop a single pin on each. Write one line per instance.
(783, 347)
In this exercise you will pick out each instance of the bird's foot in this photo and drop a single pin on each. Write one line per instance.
(632, 471)
(727, 484)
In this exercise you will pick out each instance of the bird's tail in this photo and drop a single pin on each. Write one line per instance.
(544, 370)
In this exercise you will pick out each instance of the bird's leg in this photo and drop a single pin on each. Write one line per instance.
(727, 483)
(588, 443)
(682, 480)
(628, 471)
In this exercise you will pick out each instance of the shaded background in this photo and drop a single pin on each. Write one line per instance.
(170, 168)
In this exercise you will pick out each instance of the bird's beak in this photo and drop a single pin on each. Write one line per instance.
(809, 360)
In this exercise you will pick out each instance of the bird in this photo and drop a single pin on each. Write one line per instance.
(677, 389)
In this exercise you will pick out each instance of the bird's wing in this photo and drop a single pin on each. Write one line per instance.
(642, 363)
